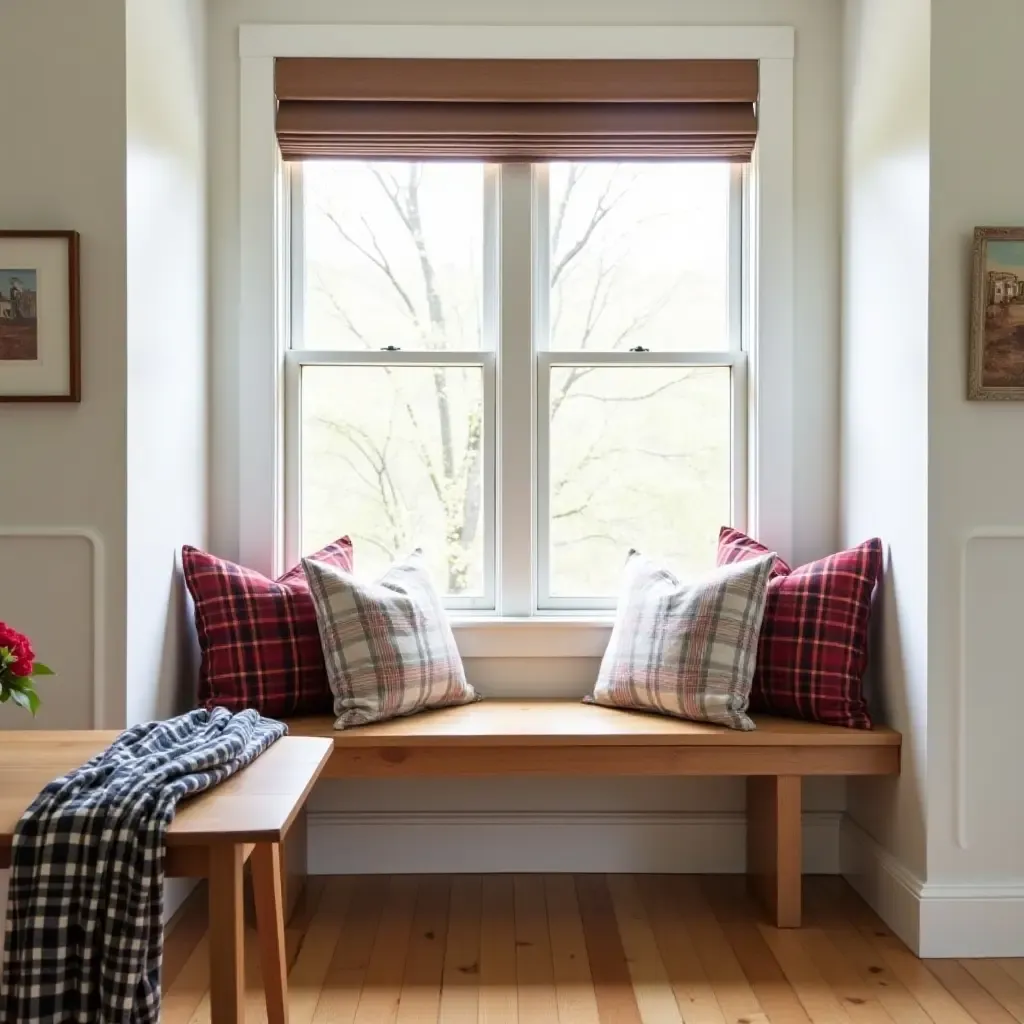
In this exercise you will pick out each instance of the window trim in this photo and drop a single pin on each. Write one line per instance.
(263, 201)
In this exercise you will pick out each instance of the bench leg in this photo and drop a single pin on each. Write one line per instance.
(294, 865)
(269, 900)
(227, 935)
(774, 864)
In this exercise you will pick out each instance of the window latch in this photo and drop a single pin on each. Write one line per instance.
(639, 348)
(390, 348)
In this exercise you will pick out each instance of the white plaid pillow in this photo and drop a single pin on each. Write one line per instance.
(388, 645)
(686, 649)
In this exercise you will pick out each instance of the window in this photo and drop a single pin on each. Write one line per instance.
(525, 370)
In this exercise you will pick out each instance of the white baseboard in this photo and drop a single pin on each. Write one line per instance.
(882, 881)
(673, 842)
(934, 919)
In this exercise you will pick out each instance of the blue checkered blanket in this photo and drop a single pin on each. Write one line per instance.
(84, 935)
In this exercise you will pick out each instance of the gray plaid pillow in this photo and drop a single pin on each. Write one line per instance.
(388, 645)
(686, 649)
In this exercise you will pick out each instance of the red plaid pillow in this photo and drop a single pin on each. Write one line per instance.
(258, 637)
(813, 650)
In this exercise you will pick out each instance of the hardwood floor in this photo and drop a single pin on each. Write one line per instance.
(590, 949)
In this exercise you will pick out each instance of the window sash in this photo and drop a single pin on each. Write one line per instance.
(516, 367)
(296, 359)
(546, 361)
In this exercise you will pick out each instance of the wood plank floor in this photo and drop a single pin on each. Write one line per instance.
(591, 949)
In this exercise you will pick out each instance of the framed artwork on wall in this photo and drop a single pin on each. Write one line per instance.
(39, 317)
(996, 364)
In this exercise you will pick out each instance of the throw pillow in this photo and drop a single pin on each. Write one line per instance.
(735, 546)
(685, 648)
(258, 637)
(389, 648)
(814, 642)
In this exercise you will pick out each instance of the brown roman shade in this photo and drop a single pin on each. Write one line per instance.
(429, 109)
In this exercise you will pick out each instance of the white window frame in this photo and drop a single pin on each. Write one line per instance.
(516, 337)
(264, 323)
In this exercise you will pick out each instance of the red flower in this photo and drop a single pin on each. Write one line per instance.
(21, 650)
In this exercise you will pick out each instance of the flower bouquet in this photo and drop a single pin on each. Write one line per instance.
(19, 669)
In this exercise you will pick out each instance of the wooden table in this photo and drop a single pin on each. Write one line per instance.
(212, 837)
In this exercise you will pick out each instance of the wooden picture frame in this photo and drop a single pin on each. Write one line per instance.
(995, 369)
(40, 328)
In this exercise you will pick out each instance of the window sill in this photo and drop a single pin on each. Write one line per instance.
(535, 637)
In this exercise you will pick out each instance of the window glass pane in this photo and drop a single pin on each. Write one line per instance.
(393, 457)
(640, 458)
(639, 256)
(393, 255)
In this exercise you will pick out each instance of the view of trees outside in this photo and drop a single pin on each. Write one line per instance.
(640, 456)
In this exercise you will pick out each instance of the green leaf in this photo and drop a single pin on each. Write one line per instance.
(33, 701)
(5, 695)
(22, 699)
(42, 670)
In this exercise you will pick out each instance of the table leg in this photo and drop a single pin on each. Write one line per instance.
(774, 845)
(227, 935)
(268, 897)
(293, 857)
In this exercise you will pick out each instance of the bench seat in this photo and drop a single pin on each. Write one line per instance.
(532, 738)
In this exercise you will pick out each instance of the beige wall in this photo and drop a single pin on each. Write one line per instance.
(62, 166)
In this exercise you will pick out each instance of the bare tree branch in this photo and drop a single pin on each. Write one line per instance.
(377, 459)
(575, 172)
(342, 312)
(600, 212)
(606, 202)
(379, 261)
(585, 537)
(629, 398)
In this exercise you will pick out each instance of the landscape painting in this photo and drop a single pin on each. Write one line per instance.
(997, 333)
(19, 339)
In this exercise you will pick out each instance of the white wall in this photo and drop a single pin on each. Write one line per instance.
(976, 479)
(817, 24)
(928, 158)
(167, 343)
(126, 468)
(62, 72)
(884, 383)
(122, 476)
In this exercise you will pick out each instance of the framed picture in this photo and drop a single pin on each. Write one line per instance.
(39, 317)
(996, 366)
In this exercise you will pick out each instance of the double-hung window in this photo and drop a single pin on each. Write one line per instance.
(525, 367)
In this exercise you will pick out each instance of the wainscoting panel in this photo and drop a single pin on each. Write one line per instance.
(60, 605)
(989, 711)
(403, 842)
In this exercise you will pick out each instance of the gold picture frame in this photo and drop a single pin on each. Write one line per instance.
(995, 369)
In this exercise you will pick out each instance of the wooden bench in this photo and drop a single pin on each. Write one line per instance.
(535, 738)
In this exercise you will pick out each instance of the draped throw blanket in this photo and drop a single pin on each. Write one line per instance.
(84, 932)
